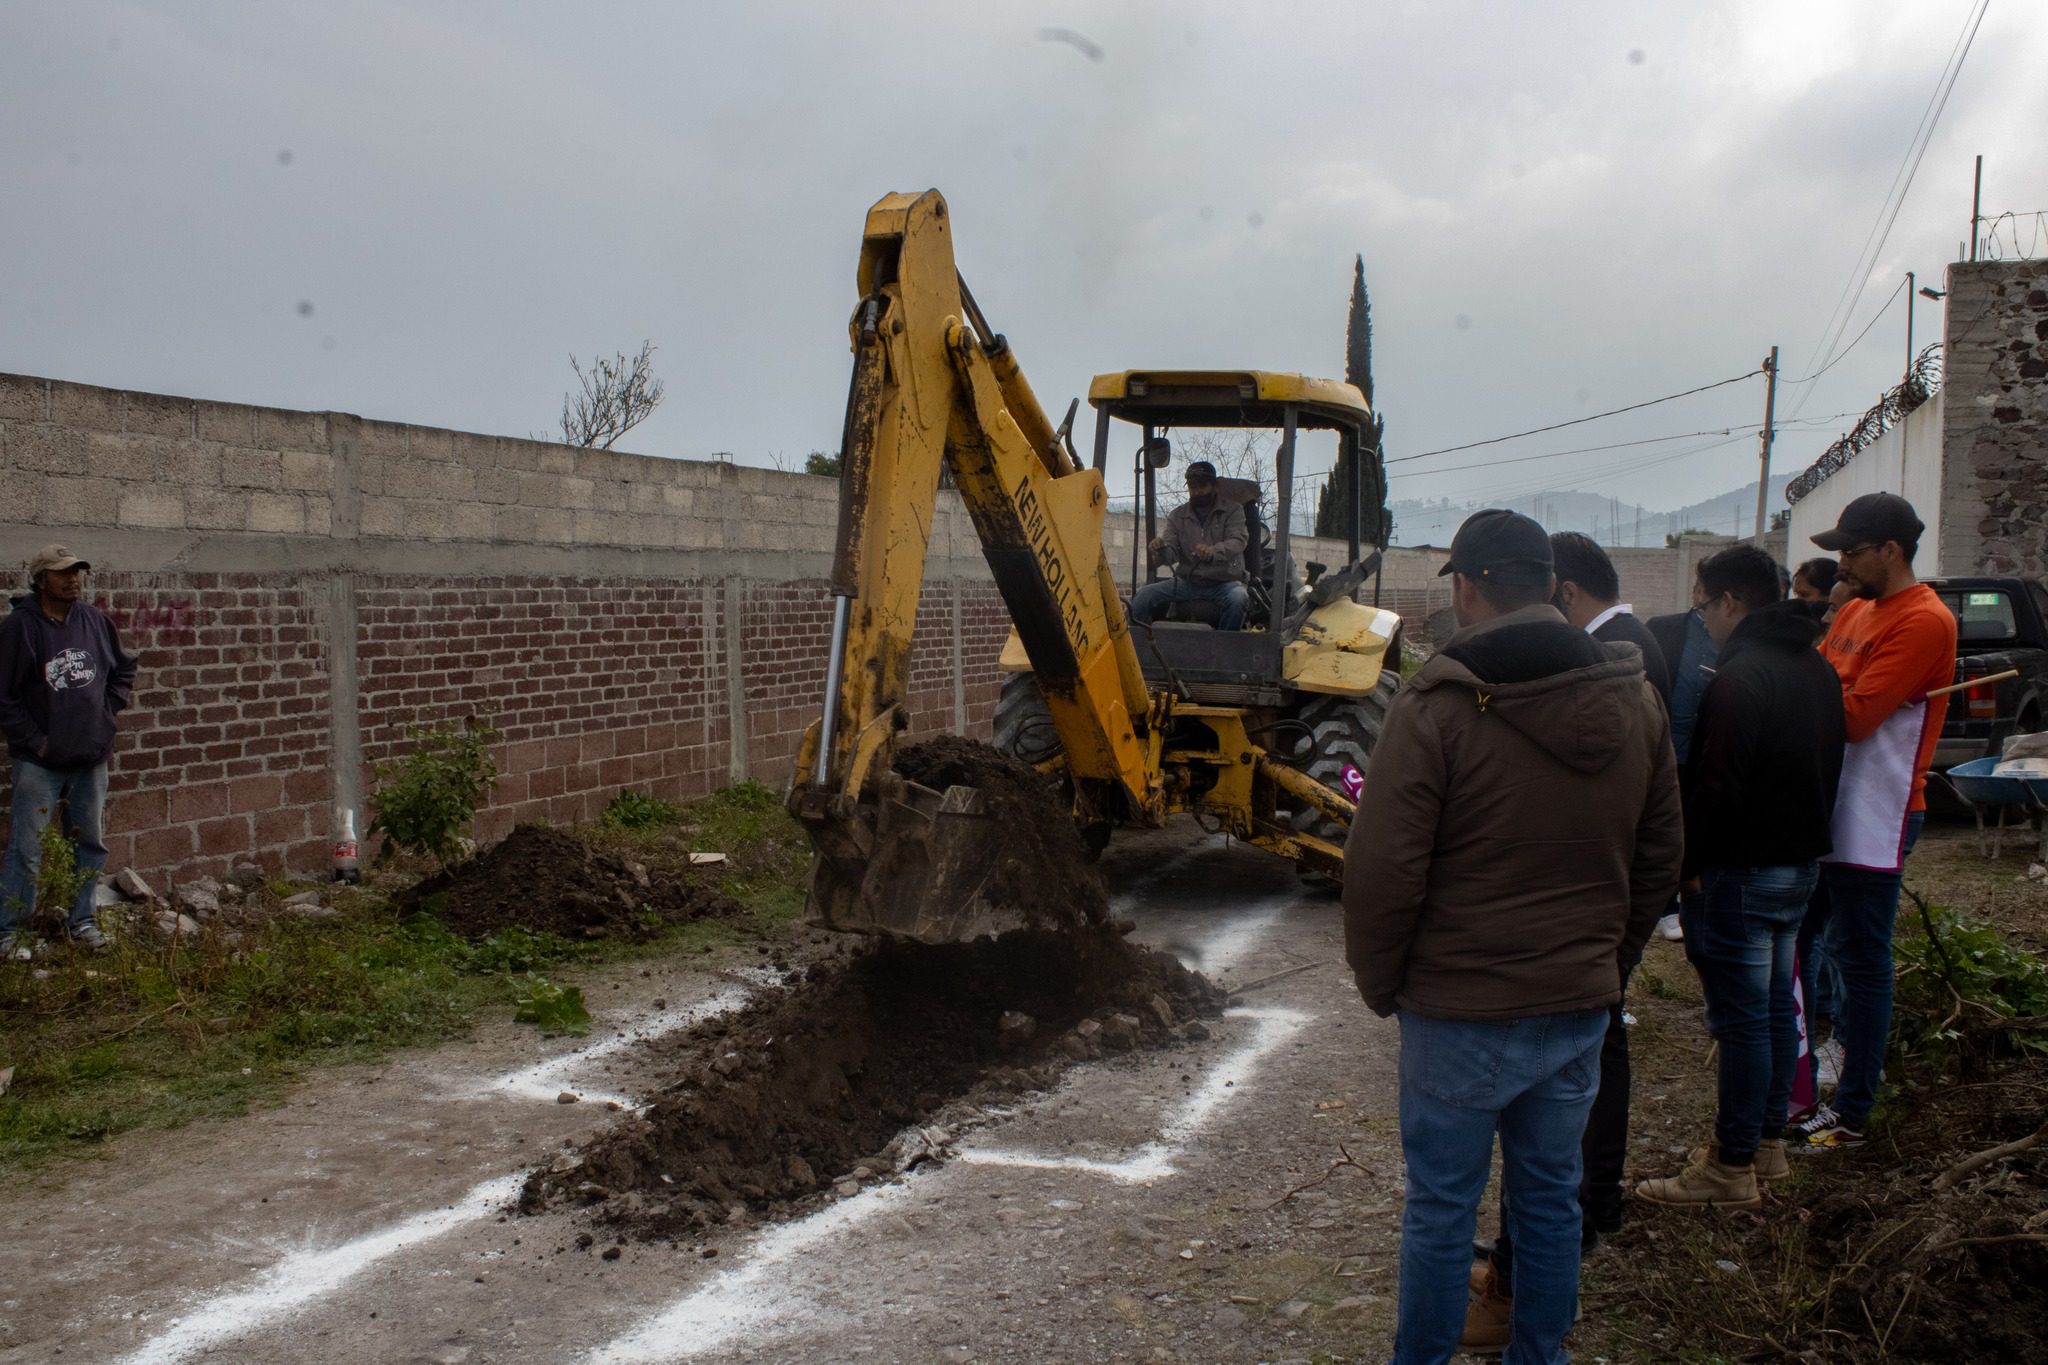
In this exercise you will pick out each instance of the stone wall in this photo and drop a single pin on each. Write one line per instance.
(1994, 506)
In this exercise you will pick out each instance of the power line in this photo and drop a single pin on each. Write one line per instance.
(1576, 421)
(1553, 454)
(1895, 197)
(1841, 354)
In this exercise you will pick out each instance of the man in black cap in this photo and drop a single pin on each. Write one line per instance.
(63, 676)
(1519, 832)
(1204, 540)
(1892, 643)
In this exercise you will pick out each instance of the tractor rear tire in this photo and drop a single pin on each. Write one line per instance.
(1342, 733)
(1024, 728)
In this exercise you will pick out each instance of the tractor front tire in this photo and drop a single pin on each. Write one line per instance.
(1342, 732)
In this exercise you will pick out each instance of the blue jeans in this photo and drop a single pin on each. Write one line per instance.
(1740, 937)
(1531, 1081)
(1856, 917)
(38, 794)
(1152, 601)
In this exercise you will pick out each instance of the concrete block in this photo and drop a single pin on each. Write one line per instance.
(22, 491)
(677, 501)
(611, 495)
(539, 490)
(51, 449)
(319, 517)
(217, 509)
(154, 414)
(111, 456)
(24, 399)
(370, 471)
(277, 513)
(474, 450)
(229, 423)
(310, 471)
(515, 454)
(85, 406)
(427, 479)
(251, 468)
(430, 443)
(382, 516)
(152, 506)
(429, 520)
(471, 521)
(515, 525)
(385, 439)
(554, 526)
(645, 497)
(282, 429)
(552, 459)
(577, 492)
(81, 501)
(191, 463)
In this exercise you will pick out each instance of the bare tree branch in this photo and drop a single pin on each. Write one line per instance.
(613, 398)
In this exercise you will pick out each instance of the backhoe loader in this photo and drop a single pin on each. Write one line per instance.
(1232, 727)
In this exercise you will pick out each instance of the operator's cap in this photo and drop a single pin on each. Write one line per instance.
(1873, 519)
(1201, 471)
(54, 557)
(1501, 547)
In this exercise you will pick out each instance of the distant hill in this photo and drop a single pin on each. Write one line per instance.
(1434, 521)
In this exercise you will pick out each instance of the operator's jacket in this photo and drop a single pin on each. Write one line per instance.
(1520, 829)
(1221, 528)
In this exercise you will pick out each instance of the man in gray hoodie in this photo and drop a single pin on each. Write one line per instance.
(1519, 832)
(63, 678)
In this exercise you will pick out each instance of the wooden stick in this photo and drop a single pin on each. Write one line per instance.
(1975, 682)
(1969, 1166)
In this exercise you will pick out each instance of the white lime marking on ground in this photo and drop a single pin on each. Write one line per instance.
(303, 1276)
(547, 1080)
(742, 1301)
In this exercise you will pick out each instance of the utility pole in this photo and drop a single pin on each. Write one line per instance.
(1763, 478)
(1976, 203)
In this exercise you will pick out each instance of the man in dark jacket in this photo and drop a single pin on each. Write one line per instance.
(1519, 831)
(63, 677)
(1204, 540)
(1759, 796)
(1589, 596)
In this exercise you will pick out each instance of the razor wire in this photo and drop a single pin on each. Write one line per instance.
(1921, 383)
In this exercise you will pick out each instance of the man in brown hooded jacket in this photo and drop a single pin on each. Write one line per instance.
(1519, 830)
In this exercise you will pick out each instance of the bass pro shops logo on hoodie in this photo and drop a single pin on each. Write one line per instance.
(72, 668)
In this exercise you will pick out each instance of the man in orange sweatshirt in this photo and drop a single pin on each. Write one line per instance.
(1892, 644)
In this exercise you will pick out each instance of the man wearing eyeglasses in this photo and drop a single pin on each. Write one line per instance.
(1892, 644)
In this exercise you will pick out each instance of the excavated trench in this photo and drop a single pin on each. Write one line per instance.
(866, 1065)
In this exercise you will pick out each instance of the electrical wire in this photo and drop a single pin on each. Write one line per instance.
(1577, 421)
(1840, 355)
(1895, 198)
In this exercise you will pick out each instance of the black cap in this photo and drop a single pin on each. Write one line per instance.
(1500, 547)
(1873, 519)
(1201, 471)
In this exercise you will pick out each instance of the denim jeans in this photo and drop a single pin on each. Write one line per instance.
(1741, 938)
(1531, 1081)
(1152, 601)
(38, 792)
(1856, 916)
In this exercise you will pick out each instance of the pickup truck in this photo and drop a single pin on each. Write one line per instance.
(2001, 623)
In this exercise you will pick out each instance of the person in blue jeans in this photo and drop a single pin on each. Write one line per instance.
(1518, 834)
(1759, 798)
(63, 678)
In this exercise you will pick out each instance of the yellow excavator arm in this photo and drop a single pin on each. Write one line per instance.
(933, 387)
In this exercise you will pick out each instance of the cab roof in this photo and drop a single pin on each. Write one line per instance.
(1228, 398)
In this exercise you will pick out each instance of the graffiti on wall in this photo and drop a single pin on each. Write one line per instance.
(161, 623)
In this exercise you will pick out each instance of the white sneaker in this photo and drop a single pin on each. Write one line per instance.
(1827, 1065)
(1669, 928)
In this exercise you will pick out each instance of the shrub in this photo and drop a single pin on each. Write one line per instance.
(426, 800)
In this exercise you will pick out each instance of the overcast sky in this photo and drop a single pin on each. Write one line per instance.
(417, 211)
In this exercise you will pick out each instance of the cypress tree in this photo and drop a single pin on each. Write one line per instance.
(1334, 501)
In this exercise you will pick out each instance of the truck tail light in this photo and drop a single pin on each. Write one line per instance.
(1983, 701)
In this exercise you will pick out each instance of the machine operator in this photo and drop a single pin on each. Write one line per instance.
(1204, 540)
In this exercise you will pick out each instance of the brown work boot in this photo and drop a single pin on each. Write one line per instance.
(1486, 1315)
(1706, 1184)
(1771, 1162)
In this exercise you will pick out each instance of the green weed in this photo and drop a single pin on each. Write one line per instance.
(637, 810)
(426, 800)
(554, 1009)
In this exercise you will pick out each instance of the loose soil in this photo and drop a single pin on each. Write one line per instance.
(1042, 870)
(550, 881)
(825, 1082)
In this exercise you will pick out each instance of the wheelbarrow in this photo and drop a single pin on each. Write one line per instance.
(1994, 796)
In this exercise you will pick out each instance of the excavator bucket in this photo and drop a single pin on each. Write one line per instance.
(906, 860)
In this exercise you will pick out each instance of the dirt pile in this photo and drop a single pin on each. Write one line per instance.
(824, 1083)
(550, 881)
(1042, 869)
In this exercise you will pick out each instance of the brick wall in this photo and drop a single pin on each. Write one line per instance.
(302, 586)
